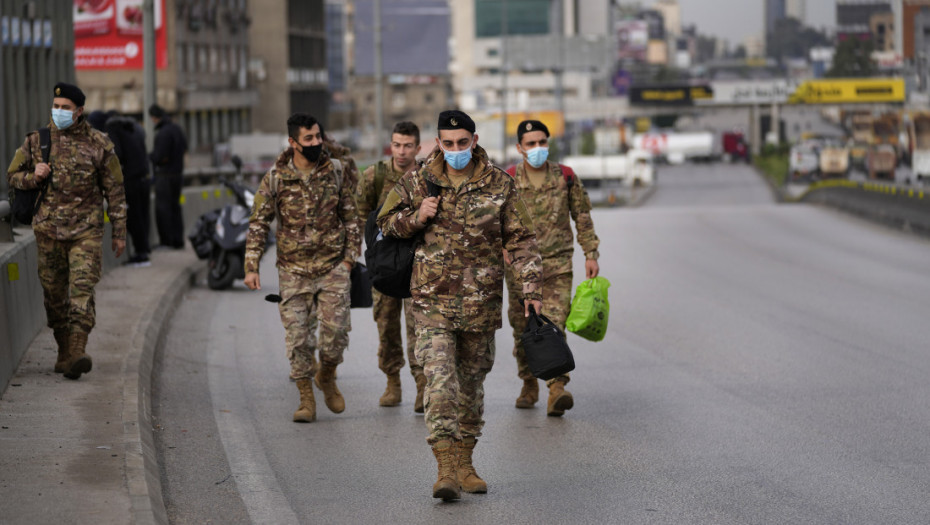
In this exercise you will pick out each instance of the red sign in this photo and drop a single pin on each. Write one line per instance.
(108, 34)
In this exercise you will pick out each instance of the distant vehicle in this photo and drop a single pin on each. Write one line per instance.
(634, 168)
(881, 161)
(920, 155)
(735, 147)
(676, 147)
(804, 161)
(834, 159)
(861, 128)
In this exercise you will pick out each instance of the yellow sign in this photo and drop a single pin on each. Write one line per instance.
(848, 90)
(552, 119)
(12, 272)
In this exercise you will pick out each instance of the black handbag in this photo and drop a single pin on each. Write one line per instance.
(547, 352)
(360, 292)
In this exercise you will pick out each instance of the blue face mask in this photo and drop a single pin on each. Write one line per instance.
(537, 156)
(62, 118)
(457, 159)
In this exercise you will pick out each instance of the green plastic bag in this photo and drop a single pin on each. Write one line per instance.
(590, 309)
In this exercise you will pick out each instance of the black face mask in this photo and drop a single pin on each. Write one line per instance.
(311, 153)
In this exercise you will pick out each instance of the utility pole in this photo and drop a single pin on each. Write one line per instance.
(503, 82)
(560, 72)
(149, 79)
(379, 78)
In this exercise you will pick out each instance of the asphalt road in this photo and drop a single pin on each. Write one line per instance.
(764, 364)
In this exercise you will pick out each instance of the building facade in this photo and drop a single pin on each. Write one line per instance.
(288, 61)
(204, 83)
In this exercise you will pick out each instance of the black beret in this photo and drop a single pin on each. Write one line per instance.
(531, 125)
(71, 92)
(455, 119)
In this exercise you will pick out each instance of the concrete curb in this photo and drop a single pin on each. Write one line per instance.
(143, 476)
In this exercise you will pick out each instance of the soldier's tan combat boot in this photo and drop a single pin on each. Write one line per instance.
(61, 337)
(529, 395)
(79, 363)
(326, 381)
(306, 412)
(391, 396)
(447, 483)
(468, 478)
(560, 399)
(421, 387)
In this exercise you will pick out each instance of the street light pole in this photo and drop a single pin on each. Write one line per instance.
(149, 79)
(503, 81)
(379, 78)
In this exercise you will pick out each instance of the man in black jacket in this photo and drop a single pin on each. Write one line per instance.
(168, 159)
(129, 141)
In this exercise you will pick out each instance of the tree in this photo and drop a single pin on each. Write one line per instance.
(792, 39)
(853, 58)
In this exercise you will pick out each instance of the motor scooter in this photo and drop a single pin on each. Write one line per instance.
(219, 235)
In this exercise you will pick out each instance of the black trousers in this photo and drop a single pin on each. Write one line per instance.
(168, 217)
(138, 199)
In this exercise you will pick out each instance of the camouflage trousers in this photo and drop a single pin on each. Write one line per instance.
(307, 303)
(455, 365)
(557, 302)
(390, 348)
(68, 271)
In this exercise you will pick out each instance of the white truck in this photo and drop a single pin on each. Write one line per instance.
(634, 168)
(920, 155)
(676, 147)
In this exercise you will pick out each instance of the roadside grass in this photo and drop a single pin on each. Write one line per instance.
(773, 162)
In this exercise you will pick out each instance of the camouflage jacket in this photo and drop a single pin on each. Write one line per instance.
(85, 173)
(369, 196)
(458, 269)
(317, 219)
(552, 207)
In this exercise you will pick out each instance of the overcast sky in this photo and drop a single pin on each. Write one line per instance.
(735, 20)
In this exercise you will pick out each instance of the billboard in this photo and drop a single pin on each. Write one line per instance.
(848, 90)
(108, 34)
(670, 95)
(632, 39)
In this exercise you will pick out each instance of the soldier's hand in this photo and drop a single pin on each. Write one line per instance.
(118, 246)
(428, 209)
(42, 171)
(252, 281)
(591, 269)
(537, 305)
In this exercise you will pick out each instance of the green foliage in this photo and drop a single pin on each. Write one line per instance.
(773, 162)
(588, 144)
(853, 58)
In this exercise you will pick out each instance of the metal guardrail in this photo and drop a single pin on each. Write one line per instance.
(210, 175)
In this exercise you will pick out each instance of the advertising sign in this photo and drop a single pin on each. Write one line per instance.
(848, 90)
(670, 95)
(552, 119)
(751, 92)
(632, 39)
(108, 34)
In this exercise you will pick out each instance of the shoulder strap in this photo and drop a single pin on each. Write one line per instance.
(512, 170)
(380, 175)
(45, 144)
(337, 167)
(568, 174)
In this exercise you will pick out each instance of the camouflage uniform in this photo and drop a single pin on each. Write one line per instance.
(69, 223)
(552, 206)
(374, 186)
(317, 231)
(457, 282)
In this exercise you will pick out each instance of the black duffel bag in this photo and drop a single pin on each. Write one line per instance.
(360, 292)
(547, 352)
(25, 203)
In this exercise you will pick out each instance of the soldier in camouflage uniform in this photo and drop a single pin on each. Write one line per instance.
(554, 197)
(318, 239)
(457, 284)
(375, 185)
(82, 174)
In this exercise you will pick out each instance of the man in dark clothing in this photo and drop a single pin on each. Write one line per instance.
(168, 158)
(129, 141)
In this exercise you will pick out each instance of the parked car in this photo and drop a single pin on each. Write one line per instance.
(804, 161)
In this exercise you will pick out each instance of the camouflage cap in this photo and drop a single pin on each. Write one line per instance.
(71, 92)
(530, 125)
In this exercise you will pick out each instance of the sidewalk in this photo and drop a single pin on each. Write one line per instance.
(82, 451)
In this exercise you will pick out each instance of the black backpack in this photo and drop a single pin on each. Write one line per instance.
(389, 259)
(24, 203)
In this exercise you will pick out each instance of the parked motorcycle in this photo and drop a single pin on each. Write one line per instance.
(219, 235)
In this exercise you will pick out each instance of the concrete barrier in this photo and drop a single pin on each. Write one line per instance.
(22, 313)
(901, 207)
